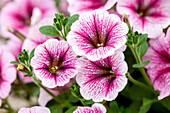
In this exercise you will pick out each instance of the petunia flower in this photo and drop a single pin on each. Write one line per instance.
(7, 73)
(35, 109)
(34, 39)
(146, 16)
(96, 108)
(103, 79)
(21, 14)
(54, 63)
(44, 97)
(97, 34)
(159, 67)
(80, 6)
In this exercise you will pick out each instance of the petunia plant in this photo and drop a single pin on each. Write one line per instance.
(102, 56)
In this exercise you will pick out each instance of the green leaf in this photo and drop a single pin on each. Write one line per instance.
(14, 62)
(55, 20)
(64, 22)
(139, 92)
(114, 107)
(88, 102)
(21, 58)
(142, 64)
(129, 58)
(61, 16)
(75, 90)
(36, 91)
(58, 26)
(57, 17)
(25, 55)
(142, 49)
(71, 109)
(32, 53)
(71, 20)
(142, 39)
(56, 109)
(74, 99)
(166, 102)
(146, 105)
(28, 75)
(49, 31)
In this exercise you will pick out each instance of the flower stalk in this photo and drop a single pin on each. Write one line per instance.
(140, 84)
(16, 33)
(141, 69)
(58, 100)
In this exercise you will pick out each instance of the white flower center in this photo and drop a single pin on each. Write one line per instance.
(54, 68)
(100, 45)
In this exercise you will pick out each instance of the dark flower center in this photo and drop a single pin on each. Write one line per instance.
(143, 11)
(54, 66)
(27, 21)
(98, 41)
(109, 73)
(53, 69)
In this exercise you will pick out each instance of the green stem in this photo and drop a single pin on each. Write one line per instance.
(64, 104)
(82, 101)
(140, 84)
(125, 19)
(16, 33)
(45, 89)
(138, 60)
(63, 36)
(61, 93)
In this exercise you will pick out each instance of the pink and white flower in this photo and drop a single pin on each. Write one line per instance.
(146, 16)
(21, 14)
(80, 6)
(35, 109)
(159, 67)
(55, 63)
(7, 73)
(103, 79)
(44, 97)
(96, 108)
(34, 39)
(97, 34)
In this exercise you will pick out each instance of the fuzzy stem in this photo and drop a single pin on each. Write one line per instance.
(45, 89)
(61, 93)
(64, 104)
(138, 60)
(82, 101)
(140, 84)
(16, 33)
